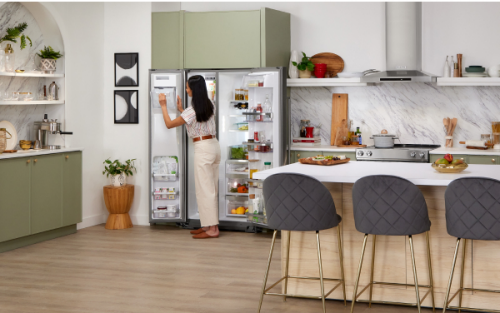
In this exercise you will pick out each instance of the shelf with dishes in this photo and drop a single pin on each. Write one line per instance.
(325, 82)
(30, 102)
(468, 81)
(31, 74)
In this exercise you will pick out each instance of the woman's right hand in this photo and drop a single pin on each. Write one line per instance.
(163, 100)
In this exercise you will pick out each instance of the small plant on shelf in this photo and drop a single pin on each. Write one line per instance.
(49, 53)
(119, 171)
(17, 32)
(305, 67)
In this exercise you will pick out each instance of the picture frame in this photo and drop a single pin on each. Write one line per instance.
(127, 69)
(126, 106)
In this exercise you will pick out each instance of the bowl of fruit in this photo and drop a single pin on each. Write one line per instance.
(447, 164)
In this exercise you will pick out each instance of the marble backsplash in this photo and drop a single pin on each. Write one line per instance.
(412, 111)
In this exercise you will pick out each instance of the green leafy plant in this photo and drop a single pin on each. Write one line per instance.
(305, 64)
(117, 168)
(49, 53)
(17, 32)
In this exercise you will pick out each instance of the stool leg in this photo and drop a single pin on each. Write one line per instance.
(462, 277)
(359, 273)
(267, 270)
(287, 262)
(445, 305)
(431, 279)
(321, 273)
(414, 272)
(371, 273)
(341, 256)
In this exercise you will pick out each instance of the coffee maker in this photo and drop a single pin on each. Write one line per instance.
(43, 128)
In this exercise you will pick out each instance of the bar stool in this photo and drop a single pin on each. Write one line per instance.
(296, 202)
(472, 212)
(390, 206)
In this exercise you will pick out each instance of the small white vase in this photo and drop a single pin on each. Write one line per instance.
(118, 180)
(446, 71)
(293, 71)
(48, 66)
(494, 71)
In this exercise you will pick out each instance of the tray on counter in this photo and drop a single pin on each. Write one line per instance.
(323, 162)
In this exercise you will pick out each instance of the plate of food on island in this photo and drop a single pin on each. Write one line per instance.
(325, 160)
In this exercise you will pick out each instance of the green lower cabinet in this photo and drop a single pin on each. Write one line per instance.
(46, 192)
(14, 198)
(72, 188)
(483, 159)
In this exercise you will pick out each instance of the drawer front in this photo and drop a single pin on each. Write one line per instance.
(483, 159)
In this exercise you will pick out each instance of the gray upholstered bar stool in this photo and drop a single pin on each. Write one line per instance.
(472, 212)
(296, 202)
(390, 206)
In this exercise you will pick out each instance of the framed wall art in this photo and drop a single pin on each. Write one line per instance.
(126, 69)
(126, 106)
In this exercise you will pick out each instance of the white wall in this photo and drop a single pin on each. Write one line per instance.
(127, 28)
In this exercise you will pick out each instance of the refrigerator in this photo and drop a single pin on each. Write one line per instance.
(251, 104)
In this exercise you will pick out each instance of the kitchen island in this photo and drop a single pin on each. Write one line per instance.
(392, 258)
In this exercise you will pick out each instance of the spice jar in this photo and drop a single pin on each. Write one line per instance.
(261, 83)
(3, 139)
(302, 127)
(486, 138)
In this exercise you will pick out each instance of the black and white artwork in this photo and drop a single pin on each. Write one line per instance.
(126, 69)
(126, 107)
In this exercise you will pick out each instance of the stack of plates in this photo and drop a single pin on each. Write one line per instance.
(475, 71)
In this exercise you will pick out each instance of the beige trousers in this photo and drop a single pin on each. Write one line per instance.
(206, 179)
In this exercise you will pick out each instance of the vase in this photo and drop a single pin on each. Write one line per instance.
(10, 59)
(118, 180)
(293, 71)
(48, 66)
(305, 74)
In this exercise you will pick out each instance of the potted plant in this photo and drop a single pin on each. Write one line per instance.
(305, 67)
(119, 171)
(48, 59)
(12, 35)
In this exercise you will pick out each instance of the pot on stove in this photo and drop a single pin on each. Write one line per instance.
(383, 140)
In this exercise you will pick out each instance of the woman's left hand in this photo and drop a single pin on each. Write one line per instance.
(163, 99)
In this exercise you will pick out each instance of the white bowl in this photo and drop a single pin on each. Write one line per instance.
(349, 74)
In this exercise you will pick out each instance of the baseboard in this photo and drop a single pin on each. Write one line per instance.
(36, 238)
(141, 220)
(92, 221)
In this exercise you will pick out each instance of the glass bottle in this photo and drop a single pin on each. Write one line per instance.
(246, 94)
(258, 118)
(267, 166)
(2, 61)
(10, 59)
(302, 126)
(267, 109)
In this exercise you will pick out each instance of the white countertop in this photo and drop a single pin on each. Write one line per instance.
(463, 150)
(320, 148)
(30, 153)
(417, 173)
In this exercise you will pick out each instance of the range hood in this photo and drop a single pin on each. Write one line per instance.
(403, 31)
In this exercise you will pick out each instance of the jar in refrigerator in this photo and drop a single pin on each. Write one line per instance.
(254, 168)
(258, 118)
(267, 166)
(245, 91)
(251, 118)
(256, 136)
(302, 127)
(261, 83)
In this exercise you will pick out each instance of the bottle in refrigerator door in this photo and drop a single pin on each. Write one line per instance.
(268, 107)
(267, 166)
(258, 109)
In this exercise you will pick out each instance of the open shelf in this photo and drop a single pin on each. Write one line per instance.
(468, 81)
(324, 82)
(30, 74)
(31, 102)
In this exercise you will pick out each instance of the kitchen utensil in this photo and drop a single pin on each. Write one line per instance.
(350, 74)
(3, 139)
(383, 140)
(309, 132)
(475, 69)
(10, 151)
(37, 145)
(43, 128)
(453, 123)
(342, 134)
(449, 168)
(459, 61)
(339, 113)
(476, 144)
(323, 162)
(334, 63)
(25, 144)
(11, 142)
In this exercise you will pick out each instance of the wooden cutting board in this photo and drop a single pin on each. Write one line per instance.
(334, 63)
(340, 110)
(323, 162)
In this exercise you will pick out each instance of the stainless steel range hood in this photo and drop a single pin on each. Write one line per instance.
(403, 29)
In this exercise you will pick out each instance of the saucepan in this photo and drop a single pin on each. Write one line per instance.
(383, 140)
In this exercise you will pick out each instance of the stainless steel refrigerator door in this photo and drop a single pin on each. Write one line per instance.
(164, 142)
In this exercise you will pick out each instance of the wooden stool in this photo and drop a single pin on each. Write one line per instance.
(118, 202)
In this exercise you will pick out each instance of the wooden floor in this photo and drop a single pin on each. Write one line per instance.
(148, 269)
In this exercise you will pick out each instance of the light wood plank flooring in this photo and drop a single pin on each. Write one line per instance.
(148, 269)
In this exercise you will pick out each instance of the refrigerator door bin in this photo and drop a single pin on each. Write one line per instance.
(236, 206)
(165, 177)
(259, 219)
(235, 185)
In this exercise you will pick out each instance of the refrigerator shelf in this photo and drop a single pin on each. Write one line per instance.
(236, 161)
(238, 131)
(267, 143)
(261, 151)
(238, 101)
(237, 194)
(236, 215)
(237, 174)
(258, 219)
(270, 114)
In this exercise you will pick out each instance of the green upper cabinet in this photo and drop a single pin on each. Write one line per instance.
(72, 188)
(220, 40)
(14, 198)
(46, 192)
(167, 40)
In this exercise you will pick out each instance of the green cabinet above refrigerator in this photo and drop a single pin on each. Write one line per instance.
(224, 39)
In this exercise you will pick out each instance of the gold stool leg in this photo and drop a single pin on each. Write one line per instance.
(462, 277)
(431, 279)
(414, 272)
(321, 273)
(341, 256)
(287, 262)
(359, 273)
(445, 305)
(267, 270)
(371, 273)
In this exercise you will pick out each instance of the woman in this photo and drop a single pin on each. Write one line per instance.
(200, 125)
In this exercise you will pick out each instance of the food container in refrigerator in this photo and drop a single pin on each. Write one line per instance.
(159, 213)
(233, 203)
(235, 183)
(237, 168)
(172, 211)
(242, 126)
(237, 152)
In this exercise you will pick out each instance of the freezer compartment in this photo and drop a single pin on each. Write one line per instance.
(236, 206)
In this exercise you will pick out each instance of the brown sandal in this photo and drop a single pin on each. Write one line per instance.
(204, 235)
(197, 231)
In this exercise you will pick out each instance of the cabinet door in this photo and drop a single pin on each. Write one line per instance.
(483, 159)
(46, 192)
(14, 198)
(167, 40)
(350, 155)
(72, 188)
(222, 39)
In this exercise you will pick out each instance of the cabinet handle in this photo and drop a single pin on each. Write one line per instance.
(28, 161)
(493, 160)
(298, 155)
(35, 160)
(67, 157)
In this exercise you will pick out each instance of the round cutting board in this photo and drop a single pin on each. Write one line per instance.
(334, 63)
(11, 143)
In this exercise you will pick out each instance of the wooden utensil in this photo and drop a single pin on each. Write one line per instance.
(459, 60)
(454, 122)
(340, 110)
(9, 151)
(342, 132)
(468, 142)
(334, 63)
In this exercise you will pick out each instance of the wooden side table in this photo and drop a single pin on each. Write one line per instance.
(118, 202)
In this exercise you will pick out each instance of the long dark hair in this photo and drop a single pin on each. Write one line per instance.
(202, 105)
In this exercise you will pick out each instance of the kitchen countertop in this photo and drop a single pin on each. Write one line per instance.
(417, 173)
(30, 153)
(320, 148)
(463, 150)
